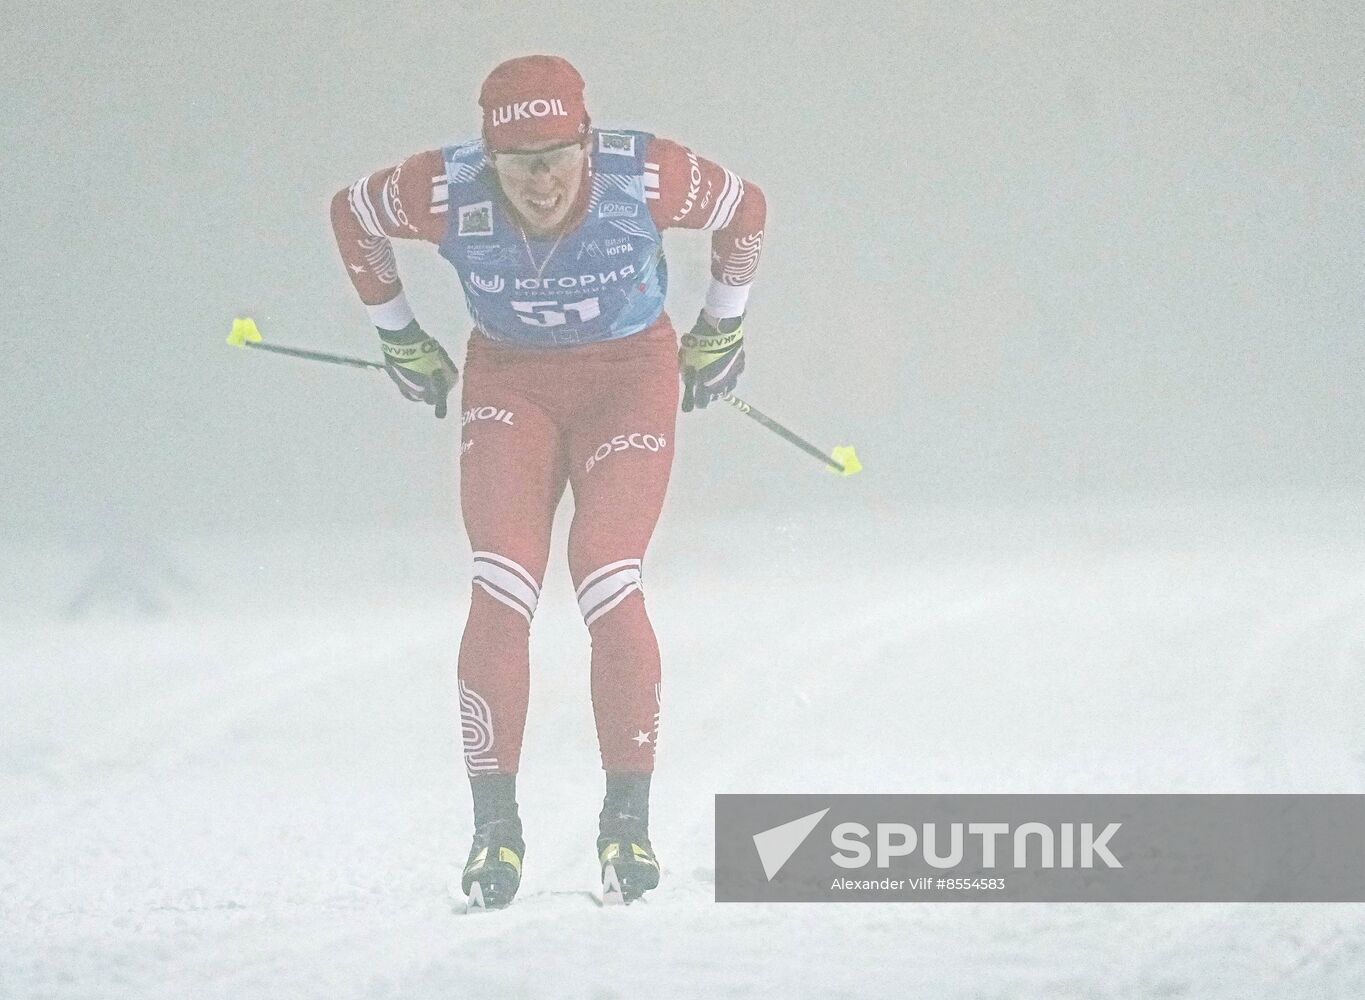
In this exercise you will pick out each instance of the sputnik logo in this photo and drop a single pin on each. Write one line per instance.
(777, 845)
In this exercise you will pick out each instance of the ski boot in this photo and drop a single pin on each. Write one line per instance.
(492, 874)
(629, 867)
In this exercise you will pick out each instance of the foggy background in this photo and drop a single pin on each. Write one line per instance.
(1083, 283)
(1013, 251)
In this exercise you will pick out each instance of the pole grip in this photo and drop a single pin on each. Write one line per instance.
(442, 391)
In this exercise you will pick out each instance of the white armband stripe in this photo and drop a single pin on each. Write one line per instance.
(364, 211)
(724, 209)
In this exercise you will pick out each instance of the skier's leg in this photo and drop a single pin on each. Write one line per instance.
(512, 475)
(621, 453)
(621, 450)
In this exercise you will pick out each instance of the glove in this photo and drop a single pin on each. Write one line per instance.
(710, 359)
(419, 366)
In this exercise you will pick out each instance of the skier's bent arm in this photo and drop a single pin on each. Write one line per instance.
(735, 250)
(692, 192)
(396, 202)
(697, 193)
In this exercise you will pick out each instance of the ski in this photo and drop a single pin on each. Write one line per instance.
(612, 895)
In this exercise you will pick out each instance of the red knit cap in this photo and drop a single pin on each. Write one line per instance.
(531, 99)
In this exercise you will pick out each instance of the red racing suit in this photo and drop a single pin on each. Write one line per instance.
(595, 417)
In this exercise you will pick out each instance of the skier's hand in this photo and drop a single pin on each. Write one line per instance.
(711, 359)
(419, 366)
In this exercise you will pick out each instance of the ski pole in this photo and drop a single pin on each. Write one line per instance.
(245, 334)
(842, 459)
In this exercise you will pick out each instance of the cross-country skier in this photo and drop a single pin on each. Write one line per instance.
(571, 377)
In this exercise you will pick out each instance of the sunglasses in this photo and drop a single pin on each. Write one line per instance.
(527, 164)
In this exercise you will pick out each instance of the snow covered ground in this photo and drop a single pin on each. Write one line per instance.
(259, 792)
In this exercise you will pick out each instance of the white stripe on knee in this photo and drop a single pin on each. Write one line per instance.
(507, 582)
(606, 587)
